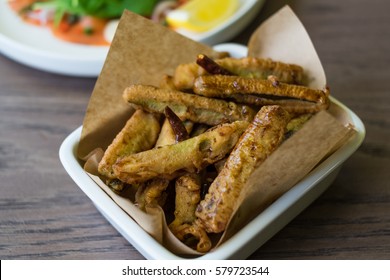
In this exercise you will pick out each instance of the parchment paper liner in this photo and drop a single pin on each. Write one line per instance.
(142, 52)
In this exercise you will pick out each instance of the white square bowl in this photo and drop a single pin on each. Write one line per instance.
(250, 237)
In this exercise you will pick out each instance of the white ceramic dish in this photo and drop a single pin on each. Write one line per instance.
(249, 238)
(37, 48)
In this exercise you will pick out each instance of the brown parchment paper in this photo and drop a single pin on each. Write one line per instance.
(142, 52)
(283, 37)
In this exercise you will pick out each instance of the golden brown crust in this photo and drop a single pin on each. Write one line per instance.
(151, 193)
(187, 106)
(167, 82)
(294, 98)
(187, 189)
(190, 155)
(139, 134)
(252, 67)
(185, 231)
(261, 138)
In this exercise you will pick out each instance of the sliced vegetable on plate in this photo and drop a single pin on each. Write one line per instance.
(202, 15)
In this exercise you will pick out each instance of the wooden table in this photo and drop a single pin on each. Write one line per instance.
(44, 215)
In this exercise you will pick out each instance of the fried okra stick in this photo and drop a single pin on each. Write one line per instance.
(187, 189)
(262, 92)
(167, 82)
(294, 106)
(139, 134)
(262, 137)
(152, 192)
(250, 67)
(188, 186)
(187, 156)
(186, 232)
(187, 106)
(188, 194)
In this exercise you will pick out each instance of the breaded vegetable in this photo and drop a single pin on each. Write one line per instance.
(187, 198)
(167, 82)
(198, 129)
(262, 137)
(139, 134)
(188, 192)
(187, 106)
(251, 67)
(151, 193)
(186, 233)
(262, 92)
(190, 155)
(294, 106)
(167, 135)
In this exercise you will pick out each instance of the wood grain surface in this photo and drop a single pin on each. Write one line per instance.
(44, 215)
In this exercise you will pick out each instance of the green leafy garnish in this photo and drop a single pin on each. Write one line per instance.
(97, 8)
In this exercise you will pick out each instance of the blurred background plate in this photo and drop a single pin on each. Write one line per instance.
(38, 48)
(230, 28)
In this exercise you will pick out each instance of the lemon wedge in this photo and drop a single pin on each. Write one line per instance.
(202, 15)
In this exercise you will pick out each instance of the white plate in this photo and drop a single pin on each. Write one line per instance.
(38, 48)
(254, 234)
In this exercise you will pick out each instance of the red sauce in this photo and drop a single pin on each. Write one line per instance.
(18, 5)
(86, 30)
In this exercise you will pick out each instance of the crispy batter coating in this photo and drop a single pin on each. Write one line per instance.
(187, 106)
(251, 67)
(190, 155)
(167, 82)
(294, 106)
(151, 193)
(139, 134)
(294, 98)
(186, 231)
(223, 86)
(187, 189)
(262, 137)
